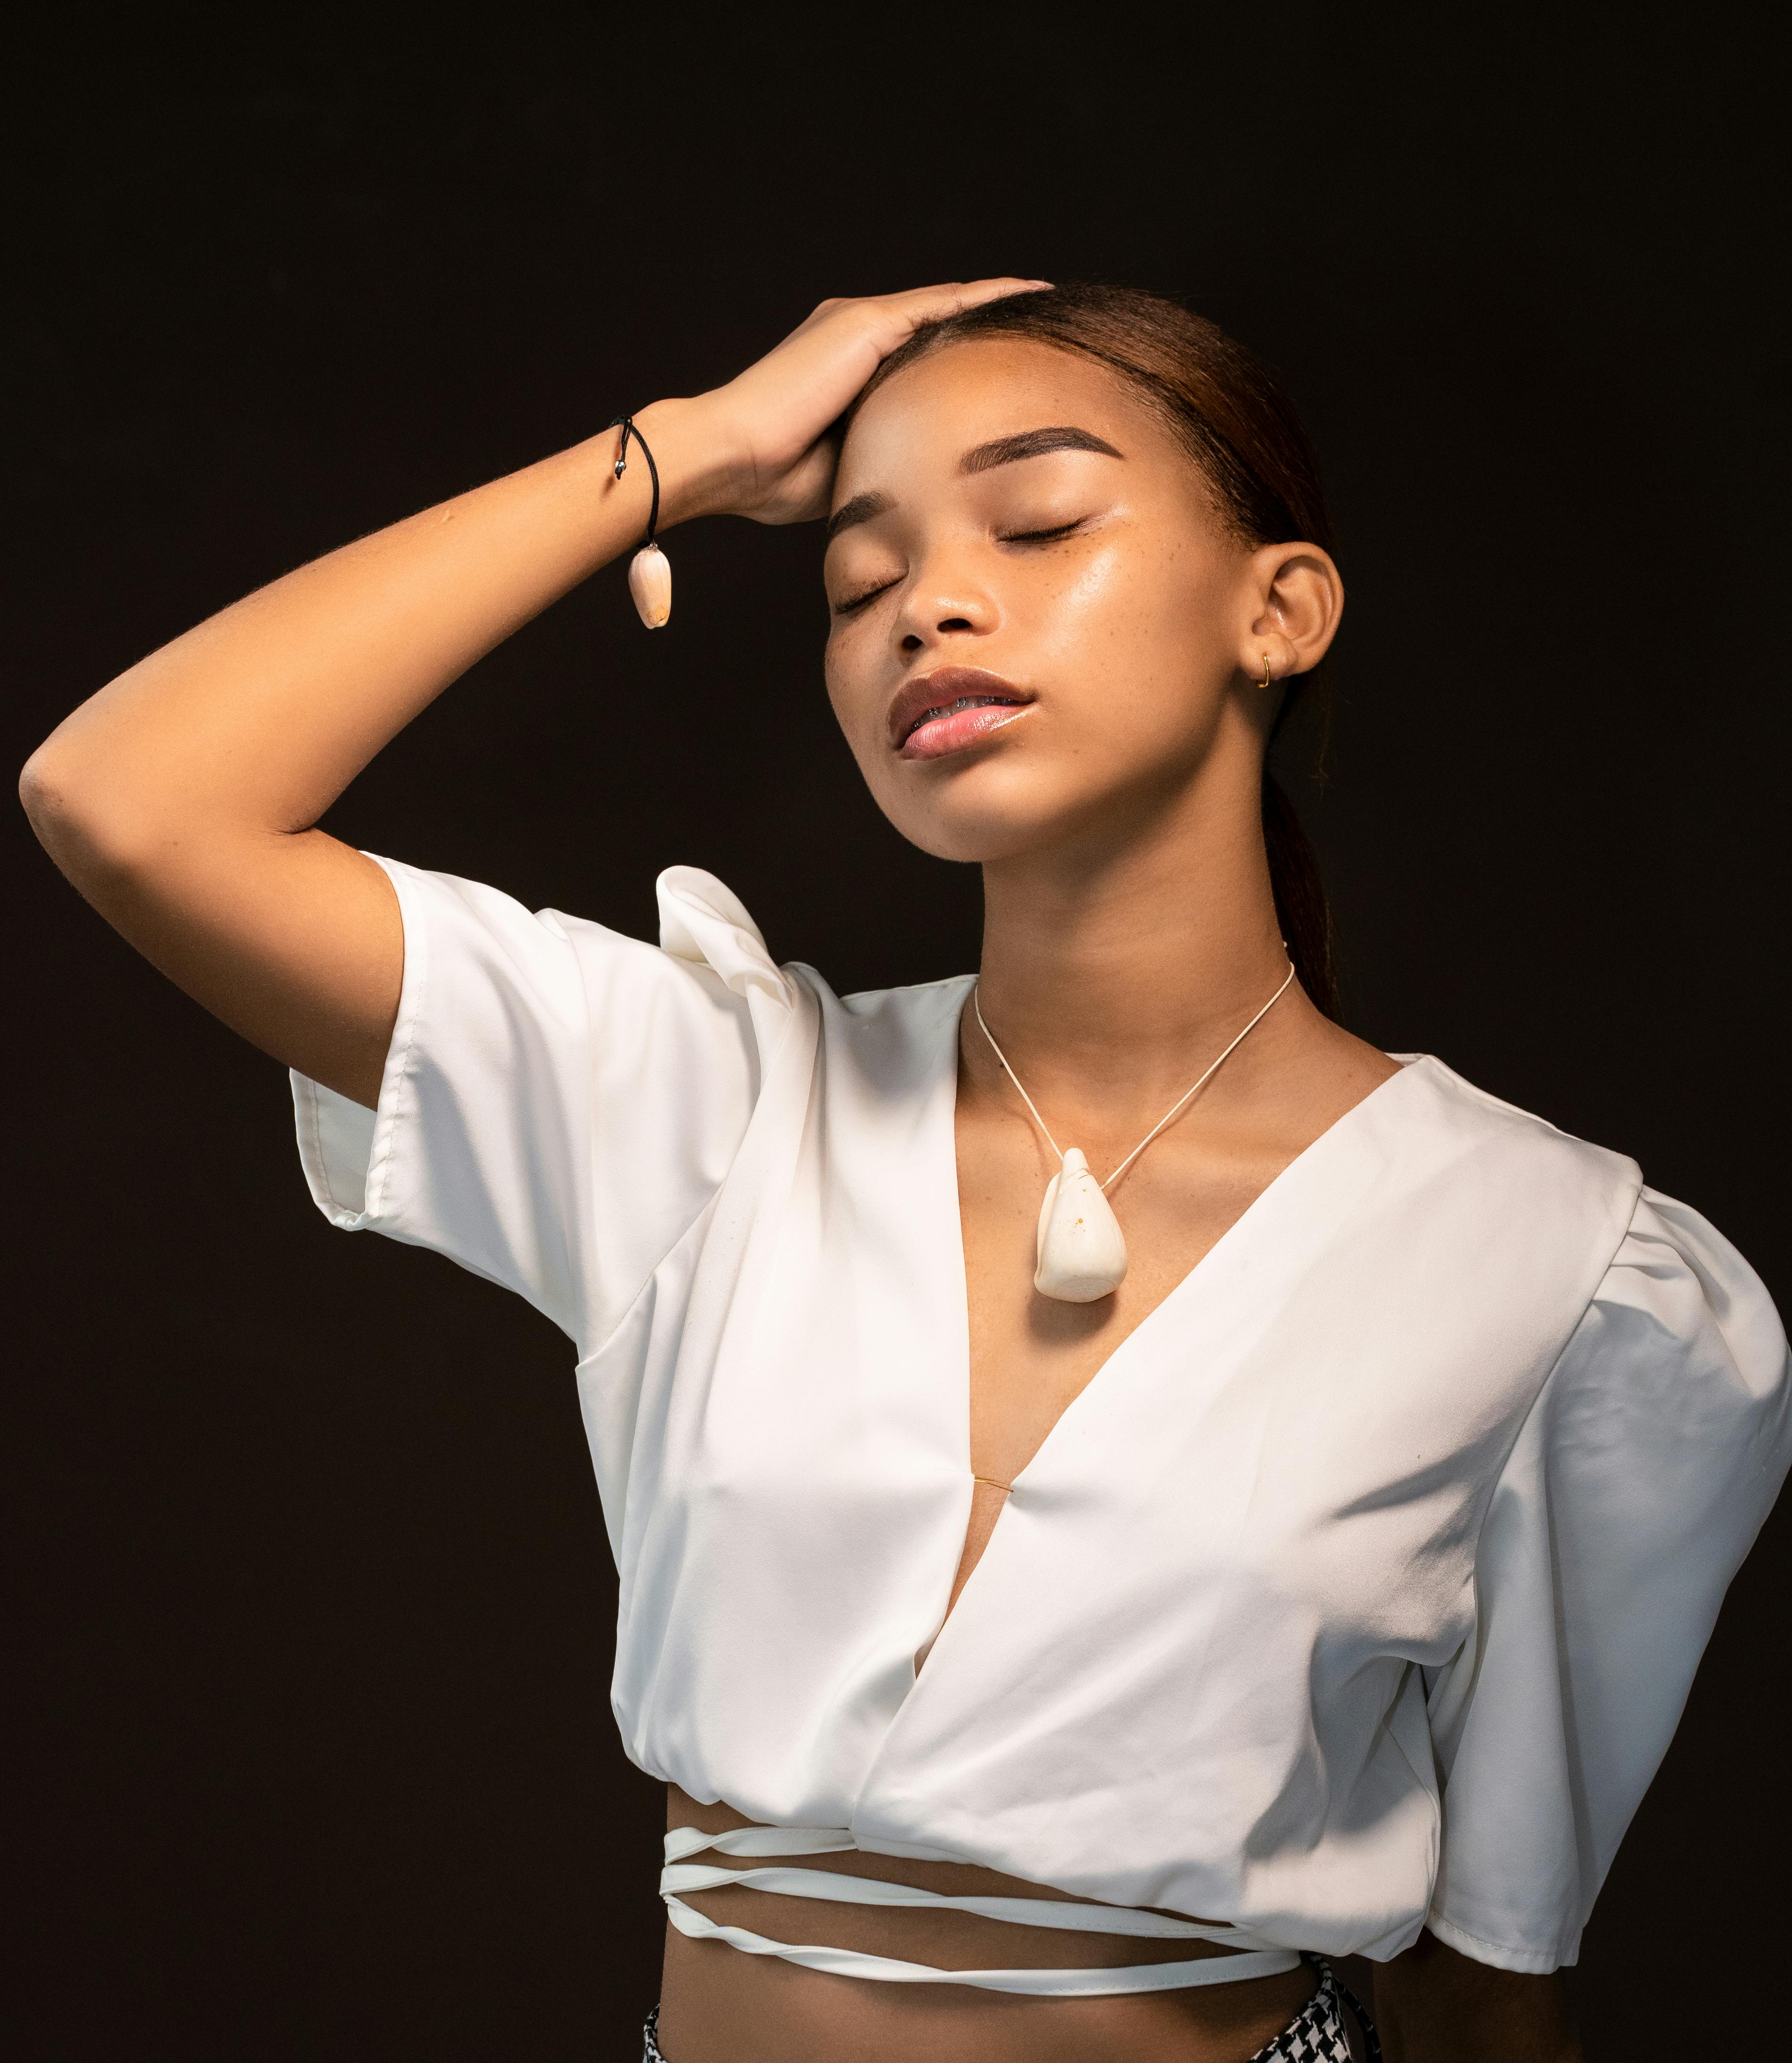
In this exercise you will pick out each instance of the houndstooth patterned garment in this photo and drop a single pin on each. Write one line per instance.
(1315, 2035)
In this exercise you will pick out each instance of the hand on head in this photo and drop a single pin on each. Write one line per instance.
(773, 420)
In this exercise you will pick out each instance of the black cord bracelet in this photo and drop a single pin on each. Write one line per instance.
(649, 573)
(626, 424)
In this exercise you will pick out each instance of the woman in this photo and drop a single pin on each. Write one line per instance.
(1104, 1611)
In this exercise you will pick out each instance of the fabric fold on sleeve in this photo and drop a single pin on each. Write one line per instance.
(703, 921)
(1636, 1486)
(559, 1102)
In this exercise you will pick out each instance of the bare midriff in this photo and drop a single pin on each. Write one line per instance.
(720, 2005)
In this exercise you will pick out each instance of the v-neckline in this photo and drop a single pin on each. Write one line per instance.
(1181, 1292)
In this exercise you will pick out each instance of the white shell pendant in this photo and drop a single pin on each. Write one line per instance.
(1082, 1254)
(650, 583)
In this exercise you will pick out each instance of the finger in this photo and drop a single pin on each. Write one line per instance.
(898, 316)
(893, 317)
(922, 304)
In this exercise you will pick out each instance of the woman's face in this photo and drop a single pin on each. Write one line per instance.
(1014, 531)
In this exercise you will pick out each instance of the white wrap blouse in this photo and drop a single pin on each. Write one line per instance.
(1361, 1588)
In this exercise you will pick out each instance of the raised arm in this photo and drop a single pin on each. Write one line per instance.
(182, 800)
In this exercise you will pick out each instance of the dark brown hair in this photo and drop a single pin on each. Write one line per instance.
(1224, 406)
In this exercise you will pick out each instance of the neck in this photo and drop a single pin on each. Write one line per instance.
(1136, 952)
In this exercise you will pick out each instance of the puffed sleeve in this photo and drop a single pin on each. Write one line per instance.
(1638, 1484)
(559, 1102)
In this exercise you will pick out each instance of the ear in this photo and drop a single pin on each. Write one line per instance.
(1294, 599)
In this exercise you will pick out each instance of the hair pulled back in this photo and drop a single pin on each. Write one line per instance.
(1225, 407)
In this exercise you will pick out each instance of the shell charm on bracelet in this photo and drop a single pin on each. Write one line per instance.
(650, 583)
(1082, 1253)
(649, 570)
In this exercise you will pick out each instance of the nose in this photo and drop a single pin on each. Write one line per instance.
(913, 641)
(942, 605)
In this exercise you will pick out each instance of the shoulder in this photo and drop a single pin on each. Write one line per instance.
(1525, 1180)
(1680, 1326)
(1668, 1273)
(890, 1054)
(1677, 1344)
(1466, 1124)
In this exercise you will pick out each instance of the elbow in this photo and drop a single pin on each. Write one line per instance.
(86, 840)
(45, 796)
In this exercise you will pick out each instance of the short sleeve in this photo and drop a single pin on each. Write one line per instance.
(559, 1102)
(1636, 1486)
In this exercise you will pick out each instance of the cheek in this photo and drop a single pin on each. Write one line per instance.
(1134, 623)
(852, 670)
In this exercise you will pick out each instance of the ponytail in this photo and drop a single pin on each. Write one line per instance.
(1301, 908)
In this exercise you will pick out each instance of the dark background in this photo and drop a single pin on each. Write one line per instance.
(310, 1633)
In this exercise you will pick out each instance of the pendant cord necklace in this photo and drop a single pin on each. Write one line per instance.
(1173, 1110)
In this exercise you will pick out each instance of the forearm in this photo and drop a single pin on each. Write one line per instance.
(257, 719)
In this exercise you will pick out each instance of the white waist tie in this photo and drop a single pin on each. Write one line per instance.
(1260, 1959)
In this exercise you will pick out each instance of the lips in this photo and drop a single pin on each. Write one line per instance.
(948, 710)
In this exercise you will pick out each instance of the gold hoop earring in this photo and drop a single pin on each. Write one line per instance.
(1266, 682)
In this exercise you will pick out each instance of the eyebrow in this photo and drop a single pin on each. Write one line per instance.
(980, 458)
(1034, 444)
(859, 509)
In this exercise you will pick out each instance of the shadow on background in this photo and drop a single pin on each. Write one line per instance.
(311, 1634)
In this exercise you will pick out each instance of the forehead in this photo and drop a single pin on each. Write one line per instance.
(923, 419)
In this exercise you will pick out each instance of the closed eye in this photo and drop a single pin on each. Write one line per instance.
(852, 604)
(1041, 537)
(855, 602)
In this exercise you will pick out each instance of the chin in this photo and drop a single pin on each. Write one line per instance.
(976, 829)
(991, 813)
(972, 847)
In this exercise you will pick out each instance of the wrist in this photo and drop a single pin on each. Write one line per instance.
(700, 470)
